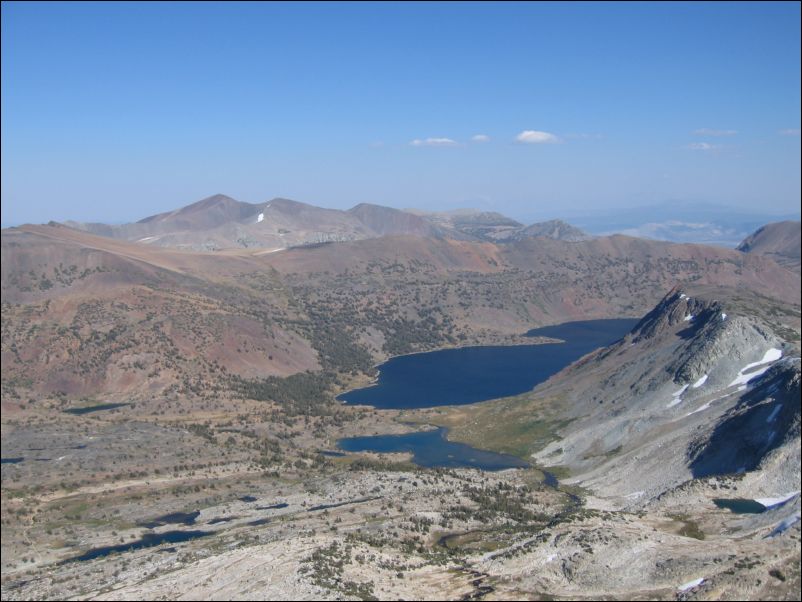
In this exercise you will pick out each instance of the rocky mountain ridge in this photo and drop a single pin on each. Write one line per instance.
(696, 389)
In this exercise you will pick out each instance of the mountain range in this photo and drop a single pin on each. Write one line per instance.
(220, 222)
(169, 412)
(471, 291)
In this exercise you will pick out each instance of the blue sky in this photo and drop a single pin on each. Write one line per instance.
(112, 112)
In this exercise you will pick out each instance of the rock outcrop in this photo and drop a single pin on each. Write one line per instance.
(695, 389)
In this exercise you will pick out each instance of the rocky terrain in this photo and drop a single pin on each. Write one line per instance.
(169, 425)
(87, 315)
(696, 408)
(694, 390)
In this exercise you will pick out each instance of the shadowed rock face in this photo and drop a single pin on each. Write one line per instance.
(762, 420)
(715, 343)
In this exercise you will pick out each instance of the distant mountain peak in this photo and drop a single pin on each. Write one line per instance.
(778, 240)
(387, 220)
(360, 206)
(556, 229)
(216, 203)
(292, 207)
(217, 198)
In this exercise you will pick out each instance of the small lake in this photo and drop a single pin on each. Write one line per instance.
(740, 505)
(148, 540)
(174, 518)
(273, 507)
(431, 449)
(471, 374)
(331, 454)
(96, 408)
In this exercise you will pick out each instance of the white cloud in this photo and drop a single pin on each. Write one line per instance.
(536, 137)
(790, 132)
(703, 146)
(481, 138)
(433, 142)
(714, 132)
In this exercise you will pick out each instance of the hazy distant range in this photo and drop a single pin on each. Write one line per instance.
(678, 221)
(674, 221)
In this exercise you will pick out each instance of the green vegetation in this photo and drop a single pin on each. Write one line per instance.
(325, 568)
(524, 430)
(367, 464)
(504, 501)
(690, 528)
(303, 393)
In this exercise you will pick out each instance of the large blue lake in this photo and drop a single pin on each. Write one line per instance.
(468, 375)
(471, 374)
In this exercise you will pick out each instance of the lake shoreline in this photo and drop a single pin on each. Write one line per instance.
(475, 373)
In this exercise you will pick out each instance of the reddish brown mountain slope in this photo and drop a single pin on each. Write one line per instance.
(780, 241)
(89, 315)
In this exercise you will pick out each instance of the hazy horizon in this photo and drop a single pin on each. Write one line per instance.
(113, 112)
(679, 210)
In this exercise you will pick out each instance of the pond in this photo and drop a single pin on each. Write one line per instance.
(148, 540)
(740, 505)
(174, 518)
(432, 449)
(96, 408)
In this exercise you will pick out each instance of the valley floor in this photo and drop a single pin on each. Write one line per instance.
(278, 520)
